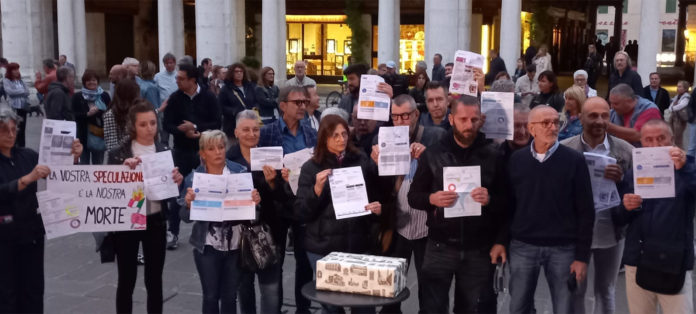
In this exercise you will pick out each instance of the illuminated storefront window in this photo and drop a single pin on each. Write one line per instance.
(321, 40)
(411, 46)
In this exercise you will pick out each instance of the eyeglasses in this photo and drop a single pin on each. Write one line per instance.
(403, 116)
(339, 136)
(547, 123)
(299, 102)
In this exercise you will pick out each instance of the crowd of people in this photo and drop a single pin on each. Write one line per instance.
(536, 193)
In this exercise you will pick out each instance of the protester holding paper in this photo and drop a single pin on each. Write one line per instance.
(216, 244)
(142, 129)
(659, 253)
(21, 228)
(403, 229)
(553, 215)
(293, 133)
(463, 248)
(608, 186)
(315, 199)
(268, 180)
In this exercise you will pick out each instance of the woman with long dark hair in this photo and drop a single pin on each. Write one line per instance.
(237, 95)
(142, 129)
(89, 105)
(314, 206)
(127, 91)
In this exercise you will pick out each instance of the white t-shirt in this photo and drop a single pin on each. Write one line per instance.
(153, 207)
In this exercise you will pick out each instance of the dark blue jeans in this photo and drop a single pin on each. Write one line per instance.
(473, 279)
(269, 286)
(404, 248)
(330, 309)
(220, 276)
(526, 261)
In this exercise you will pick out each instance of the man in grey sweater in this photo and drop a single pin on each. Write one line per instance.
(57, 103)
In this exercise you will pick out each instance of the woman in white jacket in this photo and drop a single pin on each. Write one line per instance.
(677, 112)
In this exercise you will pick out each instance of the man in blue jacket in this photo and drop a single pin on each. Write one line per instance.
(660, 236)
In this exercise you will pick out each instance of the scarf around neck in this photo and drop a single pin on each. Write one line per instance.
(95, 97)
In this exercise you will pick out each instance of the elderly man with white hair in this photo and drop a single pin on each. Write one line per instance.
(300, 78)
(580, 79)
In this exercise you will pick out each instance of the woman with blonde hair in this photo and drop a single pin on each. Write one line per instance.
(678, 113)
(215, 244)
(570, 116)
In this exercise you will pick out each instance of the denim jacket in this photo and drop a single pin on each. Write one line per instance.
(200, 228)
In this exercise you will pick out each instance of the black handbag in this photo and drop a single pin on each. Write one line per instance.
(257, 248)
(661, 267)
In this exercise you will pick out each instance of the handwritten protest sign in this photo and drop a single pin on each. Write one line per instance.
(101, 198)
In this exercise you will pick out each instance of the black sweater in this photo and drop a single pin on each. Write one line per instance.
(25, 224)
(202, 110)
(552, 201)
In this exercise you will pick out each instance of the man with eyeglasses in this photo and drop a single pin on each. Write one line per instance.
(363, 132)
(463, 248)
(607, 235)
(553, 216)
(437, 102)
(520, 136)
(293, 132)
(411, 234)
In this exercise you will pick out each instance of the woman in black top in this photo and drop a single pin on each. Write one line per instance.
(314, 205)
(238, 94)
(418, 91)
(89, 105)
(142, 128)
(21, 227)
(548, 92)
(267, 96)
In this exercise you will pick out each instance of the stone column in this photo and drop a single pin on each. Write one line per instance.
(216, 31)
(66, 29)
(23, 28)
(441, 24)
(618, 26)
(80, 38)
(170, 28)
(387, 31)
(273, 37)
(464, 25)
(510, 33)
(72, 33)
(648, 39)
(238, 46)
(281, 56)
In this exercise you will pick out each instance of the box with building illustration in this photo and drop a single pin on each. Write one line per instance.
(363, 274)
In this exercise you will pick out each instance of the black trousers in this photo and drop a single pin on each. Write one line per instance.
(22, 277)
(404, 248)
(473, 274)
(126, 245)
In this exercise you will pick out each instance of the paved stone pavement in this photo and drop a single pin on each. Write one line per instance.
(76, 281)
